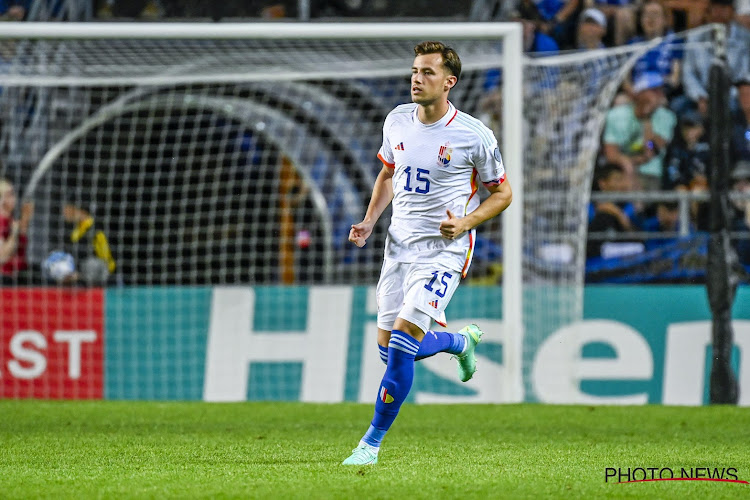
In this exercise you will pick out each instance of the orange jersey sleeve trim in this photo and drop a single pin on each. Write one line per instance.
(496, 182)
(389, 165)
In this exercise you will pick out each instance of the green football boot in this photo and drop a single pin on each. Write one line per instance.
(362, 455)
(467, 362)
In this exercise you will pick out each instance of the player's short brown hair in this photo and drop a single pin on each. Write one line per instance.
(451, 61)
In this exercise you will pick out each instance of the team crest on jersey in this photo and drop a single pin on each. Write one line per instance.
(444, 155)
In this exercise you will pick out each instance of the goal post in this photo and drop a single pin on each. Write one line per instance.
(104, 99)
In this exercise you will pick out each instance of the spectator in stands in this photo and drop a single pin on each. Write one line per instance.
(741, 125)
(13, 239)
(89, 246)
(688, 156)
(663, 59)
(666, 220)
(621, 15)
(592, 26)
(699, 54)
(636, 135)
(740, 221)
(558, 18)
(609, 216)
(14, 10)
(687, 162)
(144, 9)
(534, 39)
(534, 42)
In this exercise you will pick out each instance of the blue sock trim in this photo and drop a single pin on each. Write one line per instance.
(383, 351)
(458, 343)
(374, 436)
(403, 342)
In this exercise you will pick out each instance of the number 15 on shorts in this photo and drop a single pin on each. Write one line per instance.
(441, 287)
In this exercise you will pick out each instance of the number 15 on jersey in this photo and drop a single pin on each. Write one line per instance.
(421, 183)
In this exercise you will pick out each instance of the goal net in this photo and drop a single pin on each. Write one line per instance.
(173, 160)
(200, 173)
(566, 100)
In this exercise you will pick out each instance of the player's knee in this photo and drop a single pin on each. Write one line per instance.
(384, 336)
(415, 329)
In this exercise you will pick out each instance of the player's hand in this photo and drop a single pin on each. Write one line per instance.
(359, 233)
(452, 227)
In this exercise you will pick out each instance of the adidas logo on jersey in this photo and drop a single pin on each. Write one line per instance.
(400, 147)
(434, 303)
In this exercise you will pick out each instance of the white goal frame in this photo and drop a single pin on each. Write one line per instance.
(512, 116)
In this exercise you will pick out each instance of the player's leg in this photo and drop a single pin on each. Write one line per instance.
(384, 336)
(394, 387)
(432, 343)
(397, 379)
(435, 342)
(390, 294)
(432, 296)
(390, 298)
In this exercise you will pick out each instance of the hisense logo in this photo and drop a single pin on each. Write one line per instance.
(620, 475)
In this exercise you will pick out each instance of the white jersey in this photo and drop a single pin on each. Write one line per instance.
(435, 169)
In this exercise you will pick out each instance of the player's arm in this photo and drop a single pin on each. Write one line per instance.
(382, 194)
(498, 200)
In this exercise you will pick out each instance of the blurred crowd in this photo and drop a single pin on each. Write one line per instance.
(267, 9)
(655, 135)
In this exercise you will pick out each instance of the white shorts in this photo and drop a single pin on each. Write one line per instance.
(416, 292)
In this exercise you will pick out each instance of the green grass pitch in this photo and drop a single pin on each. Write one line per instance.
(81, 450)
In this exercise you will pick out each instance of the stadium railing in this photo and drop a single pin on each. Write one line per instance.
(683, 199)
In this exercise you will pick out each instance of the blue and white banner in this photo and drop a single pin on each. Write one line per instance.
(636, 345)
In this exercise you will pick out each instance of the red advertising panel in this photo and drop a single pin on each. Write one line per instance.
(51, 343)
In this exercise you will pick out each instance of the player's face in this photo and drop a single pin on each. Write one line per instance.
(430, 80)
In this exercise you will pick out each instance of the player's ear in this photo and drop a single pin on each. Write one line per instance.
(450, 82)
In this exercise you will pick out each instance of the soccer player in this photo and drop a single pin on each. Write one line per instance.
(433, 155)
